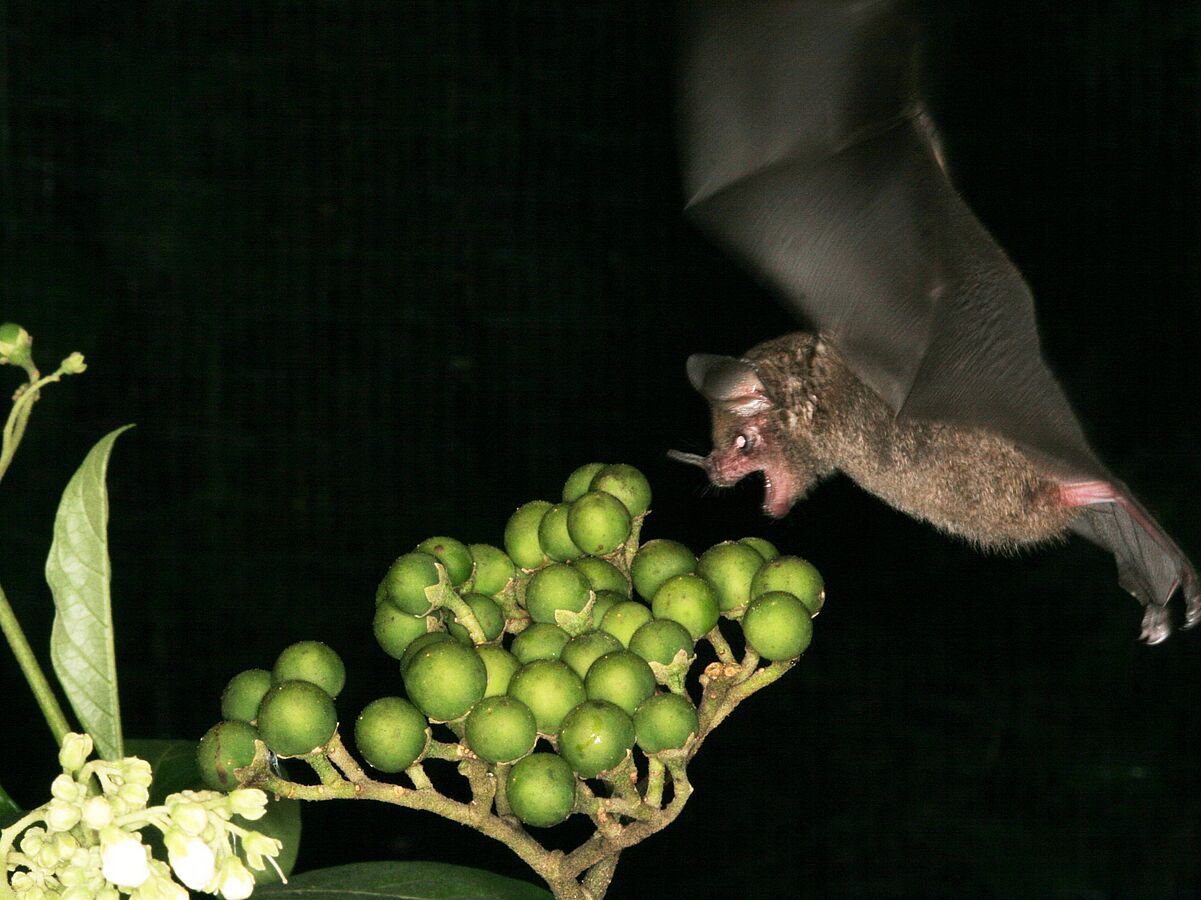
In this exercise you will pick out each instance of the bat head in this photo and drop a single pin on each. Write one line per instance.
(748, 433)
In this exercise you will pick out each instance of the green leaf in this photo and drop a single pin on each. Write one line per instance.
(174, 765)
(9, 811)
(78, 572)
(404, 881)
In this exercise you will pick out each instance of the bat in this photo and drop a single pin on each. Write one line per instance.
(808, 153)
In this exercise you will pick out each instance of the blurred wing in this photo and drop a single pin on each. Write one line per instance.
(809, 155)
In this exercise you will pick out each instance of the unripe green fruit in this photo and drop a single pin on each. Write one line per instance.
(454, 556)
(391, 734)
(689, 600)
(595, 736)
(225, 747)
(539, 641)
(622, 678)
(598, 523)
(550, 689)
(556, 587)
(242, 695)
(794, 575)
(444, 679)
(764, 548)
(493, 569)
(487, 612)
(627, 484)
(501, 666)
(541, 789)
(585, 649)
(500, 729)
(656, 561)
(664, 722)
(777, 626)
(605, 601)
(660, 640)
(521, 535)
(553, 535)
(395, 630)
(602, 575)
(578, 481)
(296, 717)
(419, 642)
(729, 567)
(311, 661)
(405, 582)
(624, 618)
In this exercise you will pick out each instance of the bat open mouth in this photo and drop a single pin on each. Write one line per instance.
(780, 493)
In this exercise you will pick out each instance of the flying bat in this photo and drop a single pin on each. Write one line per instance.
(808, 153)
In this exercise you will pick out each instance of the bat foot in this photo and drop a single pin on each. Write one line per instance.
(1156, 626)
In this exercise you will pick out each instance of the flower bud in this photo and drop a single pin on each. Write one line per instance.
(249, 803)
(97, 812)
(234, 881)
(73, 364)
(67, 789)
(256, 846)
(136, 795)
(15, 344)
(74, 752)
(189, 817)
(61, 815)
(136, 771)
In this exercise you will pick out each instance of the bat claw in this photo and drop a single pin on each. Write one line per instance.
(1156, 626)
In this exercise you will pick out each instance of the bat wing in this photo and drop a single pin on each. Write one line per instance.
(808, 153)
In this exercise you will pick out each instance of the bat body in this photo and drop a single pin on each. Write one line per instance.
(809, 154)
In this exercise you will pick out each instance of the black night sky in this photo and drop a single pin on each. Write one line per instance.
(365, 272)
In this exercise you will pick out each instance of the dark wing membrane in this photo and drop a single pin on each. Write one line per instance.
(808, 156)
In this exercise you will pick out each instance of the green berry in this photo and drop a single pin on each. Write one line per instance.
(763, 547)
(501, 666)
(627, 484)
(444, 679)
(493, 569)
(595, 736)
(621, 677)
(550, 689)
(556, 587)
(585, 649)
(521, 535)
(729, 567)
(605, 601)
(777, 626)
(664, 722)
(391, 734)
(541, 789)
(553, 536)
(500, 729)
(579, 481)
(539, 641)
(656, 561)
(598, 523)
(296, 717)
(794, 575)
(660, 640)
(689, 600)
(624, 618)
(453, 555)
(602, 575)
(243, 694)
(225, 747)
(311, 661)
(395, 630)
(405, 582)
(487, 612)
(423, 640)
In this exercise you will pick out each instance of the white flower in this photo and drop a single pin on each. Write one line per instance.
(234, 881)
(123, 858)
(191, 858)
(257, 846)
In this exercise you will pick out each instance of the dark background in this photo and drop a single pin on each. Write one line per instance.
(367, 272)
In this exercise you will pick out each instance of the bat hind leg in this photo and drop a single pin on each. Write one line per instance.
(1150, 565)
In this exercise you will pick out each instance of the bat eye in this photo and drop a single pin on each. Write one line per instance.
(743, 443)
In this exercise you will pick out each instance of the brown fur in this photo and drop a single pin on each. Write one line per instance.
(967, 482)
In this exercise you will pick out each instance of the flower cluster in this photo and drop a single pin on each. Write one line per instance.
(86, 842)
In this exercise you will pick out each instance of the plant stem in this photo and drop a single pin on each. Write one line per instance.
(42, 692)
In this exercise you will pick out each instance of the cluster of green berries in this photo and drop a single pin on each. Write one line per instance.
(572, 635)
(86, 842)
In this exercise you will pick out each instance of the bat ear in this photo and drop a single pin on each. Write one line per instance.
(728, 382)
